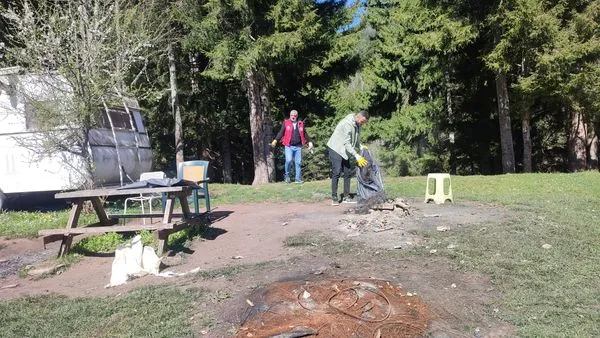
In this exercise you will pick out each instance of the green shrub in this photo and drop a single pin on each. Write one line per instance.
(109, 242)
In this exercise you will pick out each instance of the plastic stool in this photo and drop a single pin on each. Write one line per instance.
(438, 195)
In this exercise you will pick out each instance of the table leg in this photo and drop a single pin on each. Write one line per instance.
(185, 206)
(100, 212)
(65, 245)
(168, 210)
(72, 222)
(163, 238)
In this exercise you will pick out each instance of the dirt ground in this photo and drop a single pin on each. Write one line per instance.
(252, 236)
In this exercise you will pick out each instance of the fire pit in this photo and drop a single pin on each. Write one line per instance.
(334, 308)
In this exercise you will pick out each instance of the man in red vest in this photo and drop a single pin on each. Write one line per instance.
(293, 136)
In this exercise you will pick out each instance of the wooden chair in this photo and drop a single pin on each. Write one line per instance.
(196, 171)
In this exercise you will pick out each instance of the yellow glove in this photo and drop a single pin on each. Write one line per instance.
(273, 143)
(361, 161)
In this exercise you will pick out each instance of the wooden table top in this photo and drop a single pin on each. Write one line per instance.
(120, 192)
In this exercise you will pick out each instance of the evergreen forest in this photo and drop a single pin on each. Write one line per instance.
(464, 86)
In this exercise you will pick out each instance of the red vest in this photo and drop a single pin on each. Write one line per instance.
(289, 129)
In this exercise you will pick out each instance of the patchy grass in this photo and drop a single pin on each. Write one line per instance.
(328, 246)
(226, 272)
(145, 312)
(230, 271)
(307, 238)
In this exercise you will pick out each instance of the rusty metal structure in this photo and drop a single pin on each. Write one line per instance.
(369, 308)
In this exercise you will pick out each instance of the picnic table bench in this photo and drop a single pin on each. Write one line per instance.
(109, 223)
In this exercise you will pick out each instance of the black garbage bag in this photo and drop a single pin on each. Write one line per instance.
(370, 186)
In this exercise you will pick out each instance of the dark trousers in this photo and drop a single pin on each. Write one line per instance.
(337, 164)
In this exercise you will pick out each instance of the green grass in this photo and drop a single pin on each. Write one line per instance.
(553, 292)
(108, 242)
(23, 224)
(145, 312)
(235, 193)
(546, 292)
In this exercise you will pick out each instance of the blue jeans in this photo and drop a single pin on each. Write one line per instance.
(293, 153)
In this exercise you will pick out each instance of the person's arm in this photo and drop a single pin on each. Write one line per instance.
(348, 146)
(280, 133)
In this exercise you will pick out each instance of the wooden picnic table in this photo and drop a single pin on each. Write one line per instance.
(109, 223)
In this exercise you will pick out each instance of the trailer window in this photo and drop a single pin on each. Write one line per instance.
(139, 122)
(120, 119)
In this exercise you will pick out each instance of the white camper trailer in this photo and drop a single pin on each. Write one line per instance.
(119, 145)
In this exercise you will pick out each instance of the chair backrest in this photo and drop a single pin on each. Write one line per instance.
(196, 170)
(152, 174)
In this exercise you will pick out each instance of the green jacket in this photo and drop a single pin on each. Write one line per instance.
(345, 137)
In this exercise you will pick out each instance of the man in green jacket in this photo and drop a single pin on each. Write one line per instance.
(342, 149)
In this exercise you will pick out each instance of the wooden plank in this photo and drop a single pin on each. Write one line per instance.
(174, 215)
(120, 192)
(49, 234)
(52, 238)
(54, 235)
(114, 228)
(46, 232)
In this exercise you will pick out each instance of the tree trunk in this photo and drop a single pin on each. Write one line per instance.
(260, 128)
(506, 142)
(194, 70)
(175, 105)
(449, 101)
(592, 148)
(577, 142)
(268, 130)
(526, 130)
(450, 117)
(226, 157)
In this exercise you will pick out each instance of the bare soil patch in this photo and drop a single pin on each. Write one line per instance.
(245, 246)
